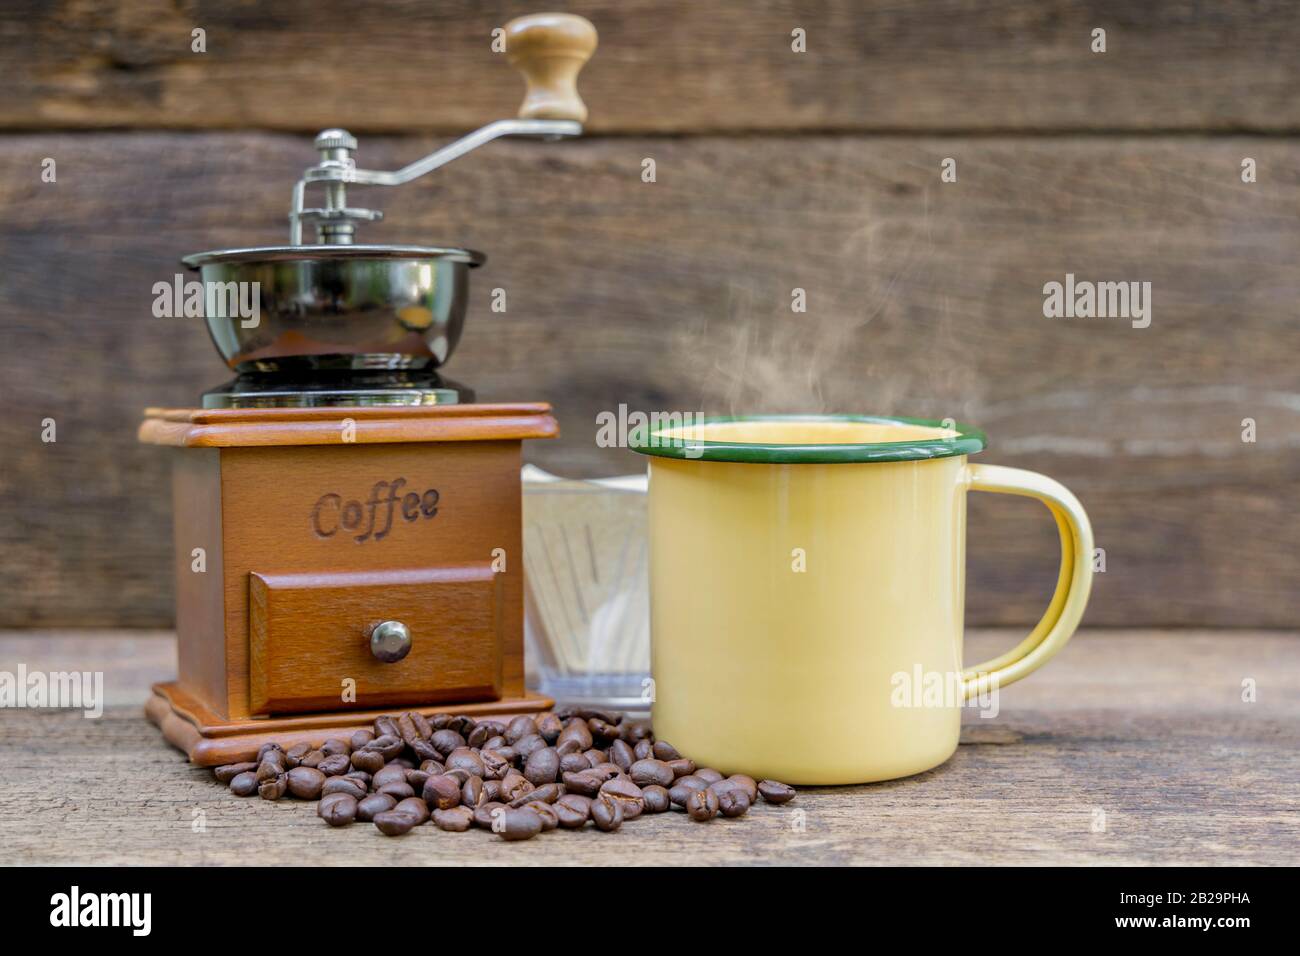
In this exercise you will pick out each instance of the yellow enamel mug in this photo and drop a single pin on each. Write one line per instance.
(807, 579)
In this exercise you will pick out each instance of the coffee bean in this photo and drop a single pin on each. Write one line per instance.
(389, 746)
(585, 782)
(517, 824)
(708, 775)
(273, 788)
(683, 787)
(406, 729)
(348, 785)
(572, 810)
(271, 767)
(525, 747)
(549, 726)
(480, 736)
(620, 753)
(607, 812)
(665, 751)
(471, 792)
(643, 749)
(232, 770)
(602, 730)
(391, 773)
(445, 741)
(647, 772)
(483, 815)
(546, 793)
(335, 765)
(335, 745)
(244, 784)
(393, 823)
(442, 792)
(374, 804)
(432, 767)
(635, 730)
(682, 767)
(462, 758)
(462, 724)
(577, 731)
(305, 783)
(495, 764)
(733, 803)
(415, 807)
(550, 818)
(266, 749)
(440, 721)
(514, 784)
(370, 761)
(519, 728)
(338, 809)
(293, 756)
(492, 791)
(595, 758)
(774, 792)
(542, 766)
(496, 743)
(655, 798)
(747, 782)
(702, 805)
(454, 820)
(573, 763)
(312, 758)
(398, 791)
(424, 750)
(416, 779)
(360, 738)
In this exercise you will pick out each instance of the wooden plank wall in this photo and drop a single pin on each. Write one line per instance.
(774, 171)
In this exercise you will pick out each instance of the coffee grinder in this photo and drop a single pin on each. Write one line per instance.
(348, 522)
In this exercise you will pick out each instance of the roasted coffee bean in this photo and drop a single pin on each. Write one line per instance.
(647, 772)
(415, 807)
(494, 765)
(550, 818)
(389, 746)
(335, 765)
(702, 805)
(348, 785)
(655, 798)
(479, 737)
(398, 791)
(360, 738)
(733, 803)
(542, 766)
(546, 793)
(393, 823)
(445, 741)
(442, 792)
(549, 726)
(573, 763)
(595, 758)
(665, 751)
(643, 749)
(386, 726)
(312, 758)
(607, 770)
(519, 728)
(682, 767)
(571, 813)
(620, 753)
(265, 749)
(244, 784)
(602, 730)
(607, 812)
(471, 792)
(406, 729)
(514, 784)
(305, 783)
(416, 779)
(746, 782)
(367, 807)
(271, 767)
(424, 750)
(273, 788)
(527, 746)
(232, 770)
(462, 758)
(371, 761)
(484, 814)
(577, 731)
(492, 791)
(517, 825)
(432, 767)
(439, 721)
(338, 809)
(335, 745)
(565, 746)
(422, 726)
(458, 774)
(462, 724)
(293, 756)
(708, 775)
(585, 782)
(392, 773)
(622, 788)
(774, 792)
(455, 820)
(635, 731)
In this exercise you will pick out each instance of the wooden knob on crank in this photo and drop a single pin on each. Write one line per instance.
(549, 49)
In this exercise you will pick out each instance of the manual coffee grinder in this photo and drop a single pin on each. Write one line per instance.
(347, 522)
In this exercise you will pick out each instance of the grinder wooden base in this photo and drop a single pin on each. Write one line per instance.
(211, 742)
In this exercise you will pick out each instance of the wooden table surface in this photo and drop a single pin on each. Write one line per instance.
(1130, 748)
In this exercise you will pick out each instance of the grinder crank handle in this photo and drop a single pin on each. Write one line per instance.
(549, 49)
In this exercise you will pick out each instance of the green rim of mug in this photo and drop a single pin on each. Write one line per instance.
(966, 441)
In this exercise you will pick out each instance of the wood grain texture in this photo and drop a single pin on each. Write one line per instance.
(677, 66)
(923, 298)
(1147, 728)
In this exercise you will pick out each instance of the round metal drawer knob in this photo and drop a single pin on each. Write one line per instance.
(390, 641)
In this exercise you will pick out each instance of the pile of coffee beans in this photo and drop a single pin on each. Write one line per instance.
(516, 778)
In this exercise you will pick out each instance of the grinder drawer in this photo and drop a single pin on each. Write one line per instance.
(309, 634)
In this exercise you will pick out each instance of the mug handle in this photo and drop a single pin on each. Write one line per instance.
(1072, 585)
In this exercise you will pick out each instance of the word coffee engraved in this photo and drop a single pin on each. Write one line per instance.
(333, 514)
